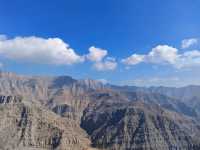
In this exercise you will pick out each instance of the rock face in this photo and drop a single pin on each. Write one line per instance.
(164, 101)
(24, 125)
(137, 126)
(47, 113)
(51, 92)
(184, 100)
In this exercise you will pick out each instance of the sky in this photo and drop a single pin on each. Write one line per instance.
(124, 42)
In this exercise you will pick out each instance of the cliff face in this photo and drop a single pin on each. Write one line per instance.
(25, 125)
(185, 100)
(47, 112)
(172, 104)
(51, 92)
(112, 123)
(137, 126)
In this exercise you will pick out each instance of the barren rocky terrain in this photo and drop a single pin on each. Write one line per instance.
(62, 113)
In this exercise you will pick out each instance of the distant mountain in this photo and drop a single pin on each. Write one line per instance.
(182, 93)
(51, 92)
(50, 111)
(185, 100)
(162, 100)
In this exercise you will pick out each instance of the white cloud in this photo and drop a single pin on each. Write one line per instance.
(96, 54)
(133, 59)
(159, 54)
(108, 64)
(162, 54)
(166, 55)
(188, 59)
(186, 43)
(100, 59)
(38, 50)
(51, 51)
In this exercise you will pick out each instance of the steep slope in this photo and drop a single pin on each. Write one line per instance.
(25, 125)
(164, 101)
(55, 93)
(190, 95)
(69, 97)
(185, 100)
(117, 125)
(116, 118)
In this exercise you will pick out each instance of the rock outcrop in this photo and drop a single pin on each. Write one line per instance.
(45, 113)
(137, 126)
(51, 92)
(25, 125)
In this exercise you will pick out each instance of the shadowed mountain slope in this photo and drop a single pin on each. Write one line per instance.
(138, 126)
(49, 111)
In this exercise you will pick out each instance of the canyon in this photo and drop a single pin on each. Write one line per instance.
(62, 113)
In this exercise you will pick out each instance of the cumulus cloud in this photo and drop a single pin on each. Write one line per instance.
(188, 59)
(108, 64)
(96, 54)
(159, 54)
(166, 55)
(134, 59)
(51, 51)
(186, 43)
(99, 57)
(38, 50)
(162, 54)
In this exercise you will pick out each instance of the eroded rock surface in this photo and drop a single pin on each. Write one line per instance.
(45, 113)
(137, 126)
(25, 125)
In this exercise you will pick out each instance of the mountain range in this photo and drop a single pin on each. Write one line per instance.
(62, 113)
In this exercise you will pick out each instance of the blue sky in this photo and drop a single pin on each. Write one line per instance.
(120, 28)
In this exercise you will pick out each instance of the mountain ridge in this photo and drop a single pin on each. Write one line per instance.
(114, 117)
